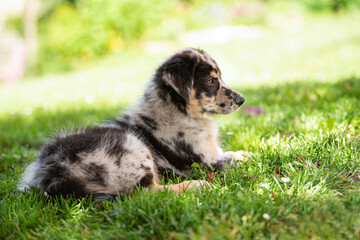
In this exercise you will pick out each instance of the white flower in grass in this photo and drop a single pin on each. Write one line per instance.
(266, 216)
(285, 179)
(229, 133)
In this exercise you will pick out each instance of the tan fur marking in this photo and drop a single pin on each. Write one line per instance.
(214, 74)
(194, 106)
(182, 187)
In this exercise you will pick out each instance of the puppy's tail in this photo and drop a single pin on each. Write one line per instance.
(29, 177)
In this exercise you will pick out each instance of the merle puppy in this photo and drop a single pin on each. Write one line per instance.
(165, 130)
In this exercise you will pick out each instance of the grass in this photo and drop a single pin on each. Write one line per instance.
(309, 134)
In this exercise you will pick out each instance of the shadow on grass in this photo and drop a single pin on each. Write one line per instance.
(31, 130)
(292, 99)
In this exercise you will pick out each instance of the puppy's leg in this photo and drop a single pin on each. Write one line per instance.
(182, 187)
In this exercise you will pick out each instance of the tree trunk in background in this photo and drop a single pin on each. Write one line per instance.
(31, 31)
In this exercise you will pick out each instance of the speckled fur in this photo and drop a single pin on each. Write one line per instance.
(165, 130)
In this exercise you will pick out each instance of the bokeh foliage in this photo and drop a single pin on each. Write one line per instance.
(75, 32)
(330, 5)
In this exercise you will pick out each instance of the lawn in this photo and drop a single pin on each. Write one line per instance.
(303, 183)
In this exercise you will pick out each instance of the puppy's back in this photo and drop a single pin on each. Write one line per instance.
(94, 161)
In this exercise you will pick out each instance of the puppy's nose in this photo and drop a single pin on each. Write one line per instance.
(239, 100)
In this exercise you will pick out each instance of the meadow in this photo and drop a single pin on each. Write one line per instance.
(302, 183)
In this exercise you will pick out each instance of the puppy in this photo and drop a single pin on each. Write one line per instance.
(166, 130)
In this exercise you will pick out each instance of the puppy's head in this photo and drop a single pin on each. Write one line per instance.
(195, 79)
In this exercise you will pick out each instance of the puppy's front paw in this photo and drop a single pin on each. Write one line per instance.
(240, 156)
(244, 155)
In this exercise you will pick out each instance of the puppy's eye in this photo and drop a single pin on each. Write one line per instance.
(210, 81)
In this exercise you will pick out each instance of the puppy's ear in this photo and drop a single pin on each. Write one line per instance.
(179, 73)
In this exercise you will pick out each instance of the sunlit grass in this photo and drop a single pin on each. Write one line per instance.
(307, 145)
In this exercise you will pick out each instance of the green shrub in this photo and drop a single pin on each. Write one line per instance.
(330, 5)
(74, 34)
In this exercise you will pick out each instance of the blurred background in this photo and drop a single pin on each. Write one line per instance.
(83, 50)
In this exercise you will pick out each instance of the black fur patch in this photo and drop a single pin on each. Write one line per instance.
(150, 122)
(116, 147)
(126, 118)
(57, 181)
(145, 167)
(202, 75)
(228, 92)
(181, 161)
(96, 173)
(70, 146)
(165, 91)
(119, 157)
(180, 134)
(147, 180)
